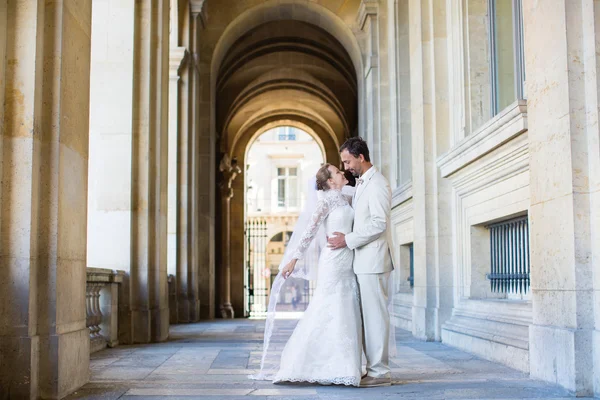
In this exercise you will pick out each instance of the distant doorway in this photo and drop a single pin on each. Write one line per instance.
(280, 163)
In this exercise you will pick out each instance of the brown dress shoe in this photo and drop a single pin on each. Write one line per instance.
(369, 381)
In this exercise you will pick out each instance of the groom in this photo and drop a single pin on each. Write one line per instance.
(371, 241)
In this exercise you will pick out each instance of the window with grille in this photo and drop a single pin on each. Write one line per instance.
(287, 134)
(509, 250)
(287, 187)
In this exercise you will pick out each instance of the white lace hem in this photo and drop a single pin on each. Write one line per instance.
(344, 380)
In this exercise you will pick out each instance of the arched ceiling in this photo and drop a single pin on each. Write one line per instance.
(286, 68)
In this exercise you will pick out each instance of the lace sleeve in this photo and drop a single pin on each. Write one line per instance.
(348, 193)
(319, 215)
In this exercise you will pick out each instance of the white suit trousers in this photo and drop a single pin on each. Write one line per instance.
(376, 322)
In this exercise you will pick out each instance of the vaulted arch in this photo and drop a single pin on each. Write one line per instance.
(279, 61)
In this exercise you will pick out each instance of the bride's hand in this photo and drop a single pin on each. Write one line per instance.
(288, 269)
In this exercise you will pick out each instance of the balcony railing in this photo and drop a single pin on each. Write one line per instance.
(102, 305)
(288, 136)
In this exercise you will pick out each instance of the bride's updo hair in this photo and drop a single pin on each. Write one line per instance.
(323, 175)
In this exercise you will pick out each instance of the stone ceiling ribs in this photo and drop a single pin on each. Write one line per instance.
(283, 65)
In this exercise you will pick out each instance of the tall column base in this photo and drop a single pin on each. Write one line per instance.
(194, 309)
(188, 309)
(425, 323)
(183, 310)
(562, 356)
(207, 311)
(48, 367)
(596, 347)
(227, 311)
(150, 326)
(18, 370)
(64, 363)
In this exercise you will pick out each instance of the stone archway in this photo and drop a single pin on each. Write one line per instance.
(283, 69)
(279, 162)
(319, 13)
(330, 147)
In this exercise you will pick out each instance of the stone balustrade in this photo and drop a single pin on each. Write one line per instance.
(102, 305)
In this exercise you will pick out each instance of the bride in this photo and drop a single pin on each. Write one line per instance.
(326, 346)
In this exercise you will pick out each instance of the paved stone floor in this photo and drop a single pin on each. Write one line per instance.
(212, 360)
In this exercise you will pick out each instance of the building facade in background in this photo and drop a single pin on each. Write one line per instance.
(280, 165)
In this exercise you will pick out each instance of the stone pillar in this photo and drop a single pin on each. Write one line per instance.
(433, 267)
(230, 171)
(182, 137)
(44, 342)
(149, 297)
(368, 22)
(3, 37)
(179, 264)
(203, 166)
(562, 108)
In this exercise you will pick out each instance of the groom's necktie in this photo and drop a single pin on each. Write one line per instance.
(359, 181)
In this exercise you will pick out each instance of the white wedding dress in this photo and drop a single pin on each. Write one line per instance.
(326, 346)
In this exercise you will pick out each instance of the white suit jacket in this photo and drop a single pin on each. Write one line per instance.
(371, 236)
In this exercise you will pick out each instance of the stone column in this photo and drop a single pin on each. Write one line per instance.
(203, 160)
(562, 108)
(44, 342)
(182, 139)
(368, 22)
(149, 298)
(230, 171)
(178, 238)
(433, 267)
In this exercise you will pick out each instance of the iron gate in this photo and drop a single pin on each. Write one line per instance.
(256, 267)
(259, 276)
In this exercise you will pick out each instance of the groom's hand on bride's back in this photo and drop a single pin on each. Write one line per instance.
(337, 241)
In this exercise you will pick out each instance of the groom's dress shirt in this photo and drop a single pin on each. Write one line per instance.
(360, 183)
(371, 237)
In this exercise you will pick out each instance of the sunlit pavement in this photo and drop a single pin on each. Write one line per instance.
(211, 360)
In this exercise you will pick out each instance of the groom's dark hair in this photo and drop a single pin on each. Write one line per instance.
(356, 146)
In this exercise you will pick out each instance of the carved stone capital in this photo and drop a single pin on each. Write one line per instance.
(227, 311)
(177, 59)
(230, 171)
(367, 8)
(196, 6)
(198, 11)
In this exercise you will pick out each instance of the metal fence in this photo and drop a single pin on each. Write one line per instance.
(509, 250)
(256, 264)
(259, 278)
